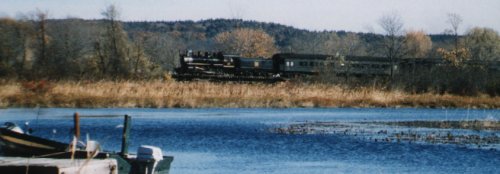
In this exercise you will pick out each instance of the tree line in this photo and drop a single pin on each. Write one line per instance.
(35, 47)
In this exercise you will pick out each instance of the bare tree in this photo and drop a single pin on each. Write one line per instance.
(351, 44)
(15, 39)
(139, 59)
(393, 43)
(112, 46)
(326, 43)
(454, 20)
(139, 50)
(333, 43)
(315, 43)
(42, 42)
(71, 42)
(163, 49)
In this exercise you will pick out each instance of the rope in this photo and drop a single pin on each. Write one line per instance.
(50, 154)
(37, 116)
(28, 166)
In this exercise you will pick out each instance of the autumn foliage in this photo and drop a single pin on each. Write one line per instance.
(39, 87)
(246, 42)
(455, 56)
(417, 44)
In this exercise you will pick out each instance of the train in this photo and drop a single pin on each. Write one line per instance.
(280, 66)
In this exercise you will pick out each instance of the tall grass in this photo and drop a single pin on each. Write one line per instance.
(160, 94)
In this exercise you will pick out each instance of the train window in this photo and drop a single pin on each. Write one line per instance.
(256, 64)
(291, 63)
(311, 63)
(287, 63)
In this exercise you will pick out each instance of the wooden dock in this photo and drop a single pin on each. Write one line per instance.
(21, 165)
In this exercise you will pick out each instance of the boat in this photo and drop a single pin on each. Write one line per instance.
(14, 142)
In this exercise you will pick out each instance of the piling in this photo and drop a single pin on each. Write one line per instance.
(126, 130)
(76, 119)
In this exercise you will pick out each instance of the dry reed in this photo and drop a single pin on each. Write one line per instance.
(168, 94)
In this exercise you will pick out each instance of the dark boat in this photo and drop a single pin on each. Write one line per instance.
(18, 144)
(15, 143)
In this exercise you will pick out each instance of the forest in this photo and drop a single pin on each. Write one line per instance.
(35, 47)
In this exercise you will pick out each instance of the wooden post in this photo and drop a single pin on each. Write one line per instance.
(76, 128)
(126, 131)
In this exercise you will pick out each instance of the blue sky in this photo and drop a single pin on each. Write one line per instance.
(350, 15)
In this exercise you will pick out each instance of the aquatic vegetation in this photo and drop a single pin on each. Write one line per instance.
(474, 124)
(473, 134)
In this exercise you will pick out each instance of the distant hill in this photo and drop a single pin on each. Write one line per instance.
(283, 34)
(210, 28)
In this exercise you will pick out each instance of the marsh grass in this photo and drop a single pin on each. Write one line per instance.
(171, 94)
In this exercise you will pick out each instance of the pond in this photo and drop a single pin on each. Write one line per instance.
(243, 140)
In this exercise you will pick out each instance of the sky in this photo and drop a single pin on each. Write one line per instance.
(349, 15)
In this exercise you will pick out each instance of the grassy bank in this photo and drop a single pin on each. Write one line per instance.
(158, 94)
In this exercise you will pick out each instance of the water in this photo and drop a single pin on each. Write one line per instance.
(240, 140)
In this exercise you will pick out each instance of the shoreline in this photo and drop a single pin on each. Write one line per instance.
(171, 94)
